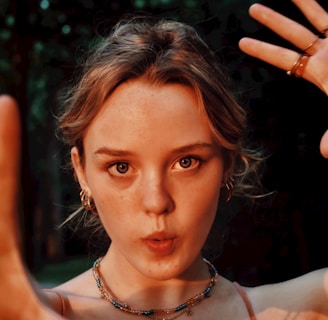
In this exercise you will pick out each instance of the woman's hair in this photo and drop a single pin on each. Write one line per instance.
(161, 51)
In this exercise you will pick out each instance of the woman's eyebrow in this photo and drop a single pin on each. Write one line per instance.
(112, 152)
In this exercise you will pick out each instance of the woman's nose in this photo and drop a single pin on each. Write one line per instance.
(156, 196)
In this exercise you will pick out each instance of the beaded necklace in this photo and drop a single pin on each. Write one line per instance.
(152, 313)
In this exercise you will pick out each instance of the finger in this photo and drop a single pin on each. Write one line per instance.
(16, 283)
(9, 135)
(285, 59)
(316, 15)
(287, 28)
(9, 166)
(277, 56)
(324, 145)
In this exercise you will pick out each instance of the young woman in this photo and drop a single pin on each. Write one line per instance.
(157, 140)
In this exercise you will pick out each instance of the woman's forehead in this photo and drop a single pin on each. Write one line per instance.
(139, 111)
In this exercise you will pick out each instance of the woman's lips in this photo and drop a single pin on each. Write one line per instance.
(160, 244)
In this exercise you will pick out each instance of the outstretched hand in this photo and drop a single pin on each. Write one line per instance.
(18, 298)
(310, 61)
(314, 45)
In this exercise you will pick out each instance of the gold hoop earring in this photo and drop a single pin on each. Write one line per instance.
(87, 202)
(229, 184)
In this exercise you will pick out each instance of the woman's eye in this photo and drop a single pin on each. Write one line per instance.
(186, 163)
(119, 167)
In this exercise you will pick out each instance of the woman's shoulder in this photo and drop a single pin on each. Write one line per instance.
(74, 294)
(303, 297)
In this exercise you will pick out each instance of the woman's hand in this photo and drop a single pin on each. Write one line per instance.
(18, 298)
(324, 145)
(310, 61)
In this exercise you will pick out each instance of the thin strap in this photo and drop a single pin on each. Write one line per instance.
(62, 301)
(248, 304)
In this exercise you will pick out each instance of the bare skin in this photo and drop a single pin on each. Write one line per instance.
(121, 172)
(15, 282)
(316, 71)
(303, 298)
(324, 145)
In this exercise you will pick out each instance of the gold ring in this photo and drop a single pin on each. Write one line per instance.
(311, 44)
(299, 66)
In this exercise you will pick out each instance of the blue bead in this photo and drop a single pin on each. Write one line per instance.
(180, 307)
(207, 291)
(116, 304)
(147, 312)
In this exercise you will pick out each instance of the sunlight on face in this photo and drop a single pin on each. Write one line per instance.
(155, 173)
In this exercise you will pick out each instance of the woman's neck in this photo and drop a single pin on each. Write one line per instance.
(126, 283)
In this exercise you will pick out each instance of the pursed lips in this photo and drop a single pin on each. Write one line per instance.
(160, 243)
(160, 236)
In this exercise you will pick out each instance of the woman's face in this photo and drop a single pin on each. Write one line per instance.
(155, 173)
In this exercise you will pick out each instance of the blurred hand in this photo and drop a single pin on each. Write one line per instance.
(18, 298)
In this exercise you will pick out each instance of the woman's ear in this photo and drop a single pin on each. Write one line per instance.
(78, 168)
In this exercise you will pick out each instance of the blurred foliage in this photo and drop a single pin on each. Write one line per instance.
(41, 42)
